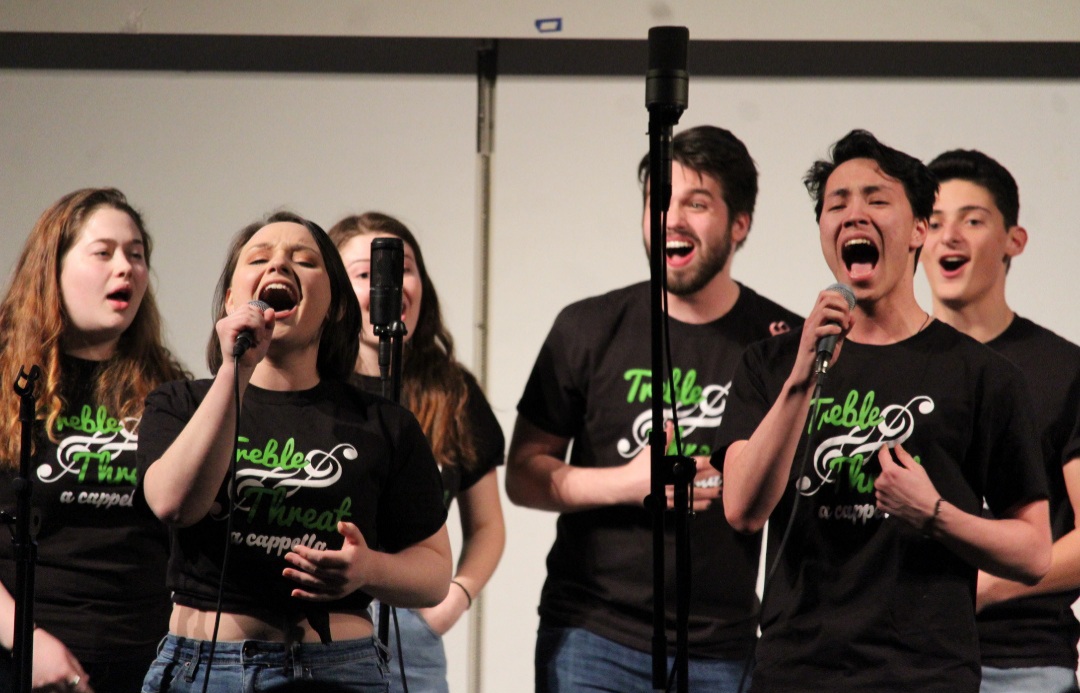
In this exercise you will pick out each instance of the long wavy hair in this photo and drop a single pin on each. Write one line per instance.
(33, 322)
(340, 339)
(433, 384)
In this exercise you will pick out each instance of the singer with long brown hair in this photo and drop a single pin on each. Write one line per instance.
(457, 419)
(80, 306)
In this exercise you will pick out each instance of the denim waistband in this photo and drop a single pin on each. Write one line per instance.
(274, 654)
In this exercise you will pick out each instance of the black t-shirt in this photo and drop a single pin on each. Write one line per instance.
(1042, 630)
(100, 571)
(592, 382)
(486, 433)
(861, 602)
(305, 461)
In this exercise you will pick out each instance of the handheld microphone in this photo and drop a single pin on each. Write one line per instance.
(827, 344)
(387, 272)
(667, 83)
(245, 340)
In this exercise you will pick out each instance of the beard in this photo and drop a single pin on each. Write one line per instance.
(708, 262)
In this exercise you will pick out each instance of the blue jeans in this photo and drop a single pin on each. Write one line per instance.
(1028, 680)
(425, 657)
(573, 659)
(354, 666)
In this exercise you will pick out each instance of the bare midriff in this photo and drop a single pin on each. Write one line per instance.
(189, 622)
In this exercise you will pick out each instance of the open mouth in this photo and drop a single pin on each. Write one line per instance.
(678, 248)
(280, 297)
(120, 295)
(860, 256)
(951, 264)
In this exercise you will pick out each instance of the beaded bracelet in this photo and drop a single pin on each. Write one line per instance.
(929, 524)
(467, 595)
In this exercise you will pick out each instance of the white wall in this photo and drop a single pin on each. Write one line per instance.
(911, 20)
(201, 155)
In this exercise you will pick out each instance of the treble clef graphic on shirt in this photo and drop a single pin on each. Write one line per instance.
(706, 413)
(320, 470)
(75, 453)
(896, 426)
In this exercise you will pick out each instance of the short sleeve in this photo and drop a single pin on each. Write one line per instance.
(1009, 442)
(1071, 450)
(748, 402)
(411, 503)
(554, 398)
(168, 409)
(488, 440)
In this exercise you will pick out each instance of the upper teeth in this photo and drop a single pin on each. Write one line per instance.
(857, 241)
(278, 285)
(679, 244)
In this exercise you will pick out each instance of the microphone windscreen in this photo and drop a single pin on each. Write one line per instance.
(387, 275)
(667, 83)
(845, 291)
(245, 340)
(667, 48)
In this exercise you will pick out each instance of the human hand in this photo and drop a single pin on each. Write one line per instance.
(442, 617)
(830, 316)
(637, 473)
(56, 670)
(903, 488)
(708, 485)
(259, 325)
(325, 575)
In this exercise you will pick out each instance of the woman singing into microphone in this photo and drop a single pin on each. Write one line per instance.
(323, 474)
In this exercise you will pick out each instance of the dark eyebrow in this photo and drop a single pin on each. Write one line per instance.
(113, 241)
(304, 246)
(865, 190)
(291, 248)
(967, 209)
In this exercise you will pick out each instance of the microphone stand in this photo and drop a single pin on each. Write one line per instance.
(25, 548)
(391, 337)
(665, 99)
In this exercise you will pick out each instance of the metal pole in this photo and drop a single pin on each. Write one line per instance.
(485, 146)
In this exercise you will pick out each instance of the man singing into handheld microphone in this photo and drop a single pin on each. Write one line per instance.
(880, 475)
(592, 384)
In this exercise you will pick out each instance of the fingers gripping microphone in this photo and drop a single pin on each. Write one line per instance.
(387, 272)
(667, 83)
(827, 344)
(245, 340)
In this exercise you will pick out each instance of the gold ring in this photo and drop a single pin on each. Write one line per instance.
(75, 680)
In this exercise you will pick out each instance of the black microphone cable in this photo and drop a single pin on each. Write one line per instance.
(771, 573)
(244, 341)
(230, 490)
